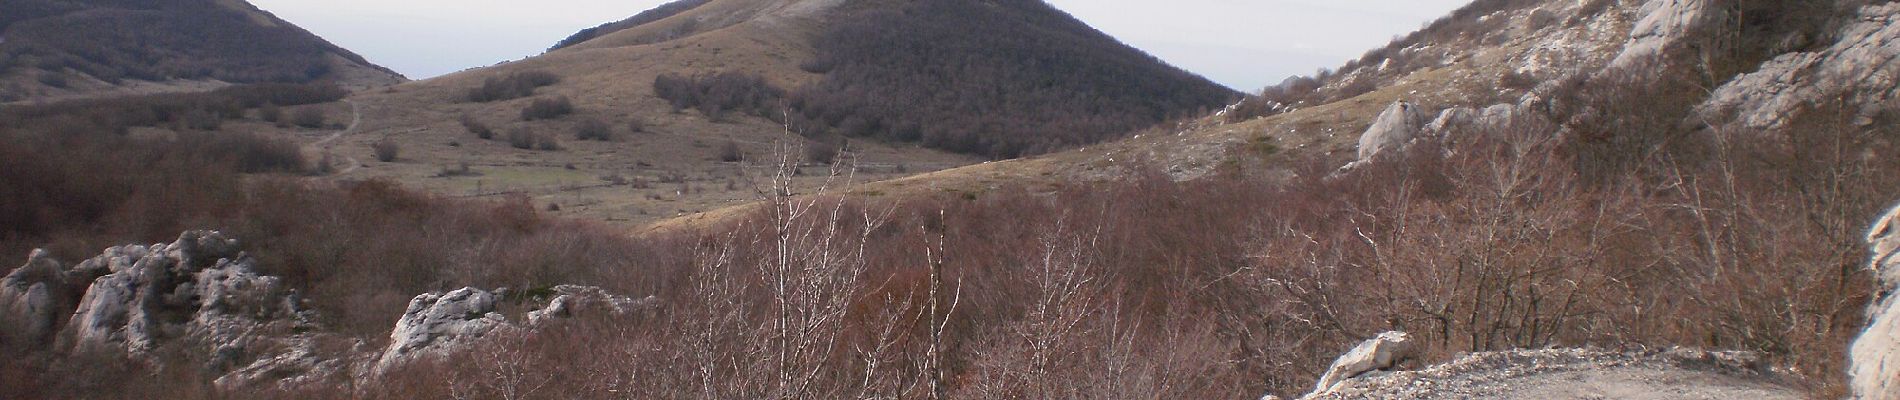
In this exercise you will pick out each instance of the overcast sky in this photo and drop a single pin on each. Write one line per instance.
(1244, 44)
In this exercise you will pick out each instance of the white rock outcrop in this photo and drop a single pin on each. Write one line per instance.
(202, 293)
(1392, 130)
(41, 294)
(1663, 23)
(1378, 353)
(436, 323)
(1874, 367)
(199, 286)
(1859, 68)
(571, 300)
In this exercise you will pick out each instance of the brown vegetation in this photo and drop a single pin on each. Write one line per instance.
(160, 40)
(513, 86)
(1007, 78)
(716, 95)
(547, 108)
(644, 17)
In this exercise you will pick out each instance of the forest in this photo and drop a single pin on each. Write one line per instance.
(1006, 79)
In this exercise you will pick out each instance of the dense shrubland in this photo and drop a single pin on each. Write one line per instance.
(664, 11)
(1004, 79)
(165, 109)
(512, 86)
(158, 40)
(718, 95)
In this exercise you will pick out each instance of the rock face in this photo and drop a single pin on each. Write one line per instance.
(1874, 370)
(41, 294)
(438, 322)
(1663, 24)
(199, 290)
(200, 287)
(1382, 352)
(1859, 69)
(1398, 125)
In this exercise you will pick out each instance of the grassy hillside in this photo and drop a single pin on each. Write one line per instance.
(714, 86)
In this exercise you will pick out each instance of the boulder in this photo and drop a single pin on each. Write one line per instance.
(1378, 353)
(438, 323)
(1397, 126)
(1874, 367)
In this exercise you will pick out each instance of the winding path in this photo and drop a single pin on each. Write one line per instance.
(356, 118)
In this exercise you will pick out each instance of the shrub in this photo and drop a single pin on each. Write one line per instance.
(386, 150)
(730, 152)
(476, 127)
(823, 151)
(547, 108)
(593, 129)
(528, 139)
(53, 79)
(636, 125)
(271, 113)
(717, 94)
(512, 86)
(308, 117)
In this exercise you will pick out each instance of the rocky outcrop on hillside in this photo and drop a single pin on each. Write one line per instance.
(1663, 24)
(1575, 374)
(1397, 126)
(1857, 71)
(203, 295)
(438, 324)
(40, 294)
(1874, 368)
(1379, 353)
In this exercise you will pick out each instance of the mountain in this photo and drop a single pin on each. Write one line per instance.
(1665, 68)
(54, 49)
(686, 91)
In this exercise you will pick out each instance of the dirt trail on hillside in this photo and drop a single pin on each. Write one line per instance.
(327, 143)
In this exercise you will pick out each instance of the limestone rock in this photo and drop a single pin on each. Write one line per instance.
(1859, 69)
(1395, 127)
(1662, 25)
(570, 300)
(1382, 352)
(140, 300)
(1874, 370)
(437, 323)
(41, 294)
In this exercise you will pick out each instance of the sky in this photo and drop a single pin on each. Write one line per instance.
(1244, 44)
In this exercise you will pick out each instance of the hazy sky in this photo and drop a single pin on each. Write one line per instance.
(1245, 44)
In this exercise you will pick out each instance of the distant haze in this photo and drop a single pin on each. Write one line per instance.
(1244, 44)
